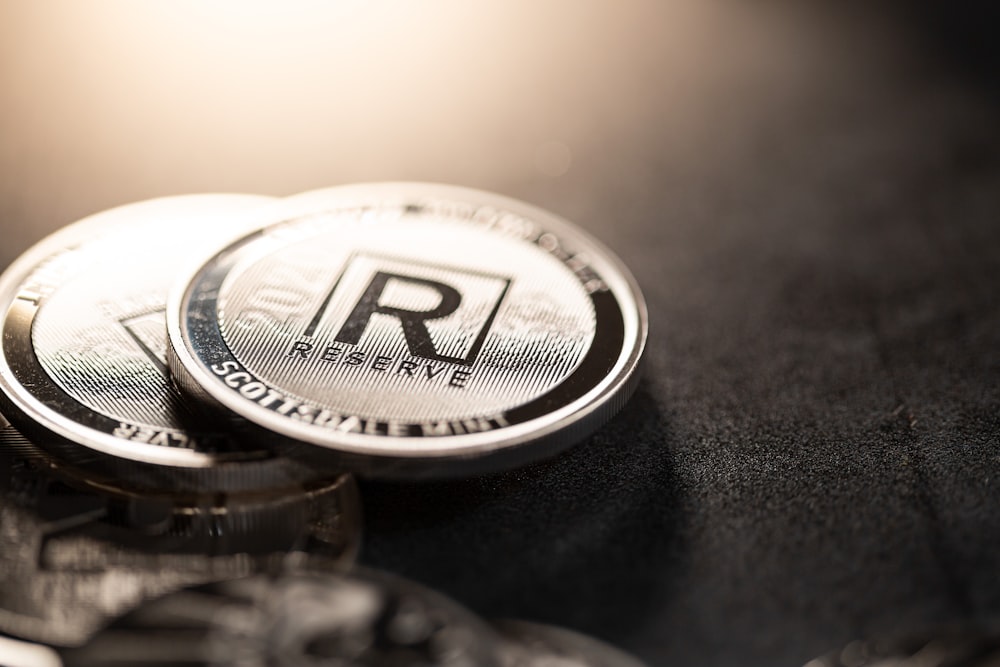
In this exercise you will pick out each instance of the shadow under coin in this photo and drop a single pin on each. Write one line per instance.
(588, 540)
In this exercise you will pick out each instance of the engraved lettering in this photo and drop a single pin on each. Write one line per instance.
(225, 367)
(303, 413)
(350, 424)
(277, 302)
(302, 349)
(162, 439)
(253, 390)
(286, 406)
(327, 419)
(579, 263)
(143, 434)
(153, 436)
(463, 426)
(459, 378)
(232, 375)
(331, 353)
(413, 322)
(234, 380)
(436, 428)
(124, 431)
(476, 425)
(270, 398)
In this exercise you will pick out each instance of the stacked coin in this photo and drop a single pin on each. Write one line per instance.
(179, 427)
(306, 617)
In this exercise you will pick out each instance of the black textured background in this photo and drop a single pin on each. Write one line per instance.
(808, 194)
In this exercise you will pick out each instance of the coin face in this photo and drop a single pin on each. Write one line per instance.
(413, 329)
(83, 360)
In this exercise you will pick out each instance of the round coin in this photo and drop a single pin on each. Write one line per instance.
(413, 329)
(83, 369)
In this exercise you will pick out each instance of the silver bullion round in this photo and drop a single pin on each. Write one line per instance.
(83, 368)
(415, 329)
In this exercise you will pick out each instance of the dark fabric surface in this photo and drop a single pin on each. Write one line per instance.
(808, 196)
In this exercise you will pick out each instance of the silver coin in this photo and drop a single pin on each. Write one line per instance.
(413, 329)
(297, 618)
(16, 653)
(74, 555)
(83, 367)
(536, 645)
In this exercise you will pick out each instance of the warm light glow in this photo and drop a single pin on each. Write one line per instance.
(308, 93)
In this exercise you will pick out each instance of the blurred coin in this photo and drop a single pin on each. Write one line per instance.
(536, 645)
(74, 554)
(83, 368)
(298, 618)
(968, 645)
(16, 653)
(413, 330)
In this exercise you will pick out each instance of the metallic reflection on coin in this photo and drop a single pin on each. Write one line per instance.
(83, 368)
(413, 329)
(74, 554)
(16, 653)
(319, 619)
(970, 645)
(536, 645)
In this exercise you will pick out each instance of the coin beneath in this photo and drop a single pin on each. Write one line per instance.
(300, 616)
(83, 369)
(74, 555)
(413, 329)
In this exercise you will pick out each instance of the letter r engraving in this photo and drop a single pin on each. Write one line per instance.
(418, 338)
(449, 321)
